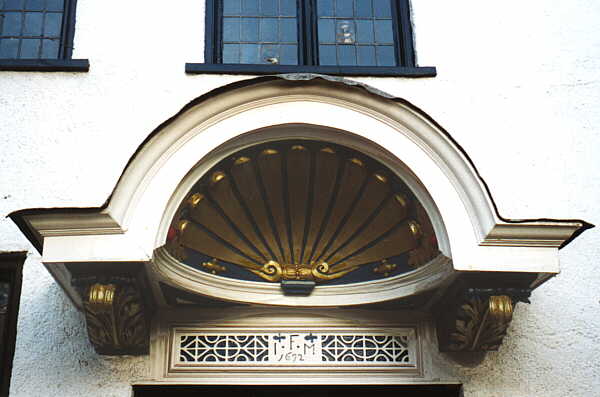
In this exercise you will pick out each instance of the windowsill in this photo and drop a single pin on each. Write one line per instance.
(45, 65)
(381, 71)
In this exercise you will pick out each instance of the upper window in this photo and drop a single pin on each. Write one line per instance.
(359, 32)
(35, 32)
(329, 36)
(31, 29)
(255, 32)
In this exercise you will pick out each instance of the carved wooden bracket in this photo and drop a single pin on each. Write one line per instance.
(115, 313)
(478, 318)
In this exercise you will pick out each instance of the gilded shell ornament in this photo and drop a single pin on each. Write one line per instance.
(302, 210)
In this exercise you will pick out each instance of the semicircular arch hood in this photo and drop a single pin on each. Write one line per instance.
(298, 180)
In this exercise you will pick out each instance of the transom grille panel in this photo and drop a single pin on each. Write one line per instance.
(223, 348)
(368, 348)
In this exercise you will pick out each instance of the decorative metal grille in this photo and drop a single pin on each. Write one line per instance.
(223, 348)
(365, 348)
(210, 348)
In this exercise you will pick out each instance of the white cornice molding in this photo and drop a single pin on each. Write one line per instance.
(66, 224)
(519, 234)
(532, 234)
(522, 234)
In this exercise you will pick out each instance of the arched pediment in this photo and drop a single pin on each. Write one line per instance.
(134, 225)
(143, 192)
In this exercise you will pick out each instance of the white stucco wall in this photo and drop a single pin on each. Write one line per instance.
(518, 87)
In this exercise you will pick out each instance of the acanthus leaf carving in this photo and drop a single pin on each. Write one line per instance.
(480, 319)
(116, 316)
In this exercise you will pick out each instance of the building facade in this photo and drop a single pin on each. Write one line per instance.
(122, 120)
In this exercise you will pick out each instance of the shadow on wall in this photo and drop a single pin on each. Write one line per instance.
(466, 359)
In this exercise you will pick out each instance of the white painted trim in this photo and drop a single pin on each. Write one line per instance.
(171, 271)
(286, 319)
(132, 226)
(49, 225)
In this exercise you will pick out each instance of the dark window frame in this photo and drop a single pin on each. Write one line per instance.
(64, 61)
(11, 271)
(307, 44)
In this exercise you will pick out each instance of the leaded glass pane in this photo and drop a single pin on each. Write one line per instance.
(249, 29)
(53, 24)
(34, 5)
(287, 8)
(30, 48)
(231, 29)
(231, 53)
(33, 24)
(232, 7)
(249, 53)
(385, 56)
(268, 8)
(364, 8)
(12, 24)
(250, 7)
(366, 55)
(325, 8)
(344, 8)
(326, 30)
(269, 30)
(383, 9)
(355, 32)
(30, 29)
(9, 48)
(289, 54)
(364, 32)
(384, 32)
(50, 48)
(327, 55)
(288, 31)
(346, 55)
(260, 32)
(55, 5)
(13, 4)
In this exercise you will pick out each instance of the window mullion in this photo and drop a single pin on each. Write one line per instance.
(65, 48)
(308, 32)
(405, 55)
(213, 40)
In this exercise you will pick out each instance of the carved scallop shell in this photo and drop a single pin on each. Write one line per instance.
(302, 210)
